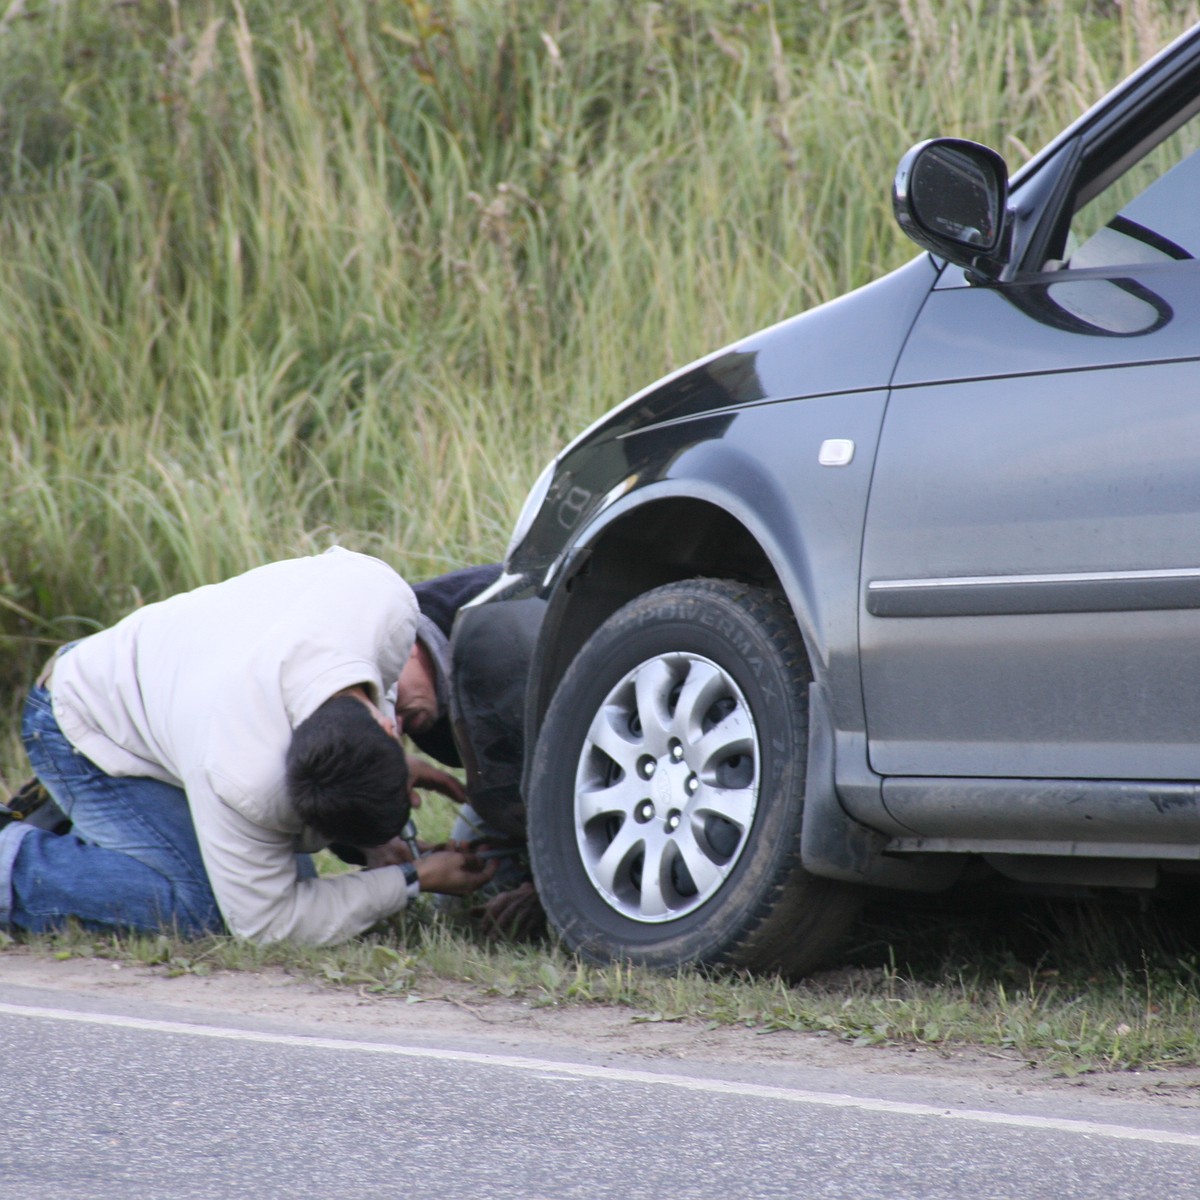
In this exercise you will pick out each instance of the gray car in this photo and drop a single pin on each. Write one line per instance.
(904, 582)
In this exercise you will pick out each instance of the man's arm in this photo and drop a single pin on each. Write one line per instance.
(253, 875)
(424, 776)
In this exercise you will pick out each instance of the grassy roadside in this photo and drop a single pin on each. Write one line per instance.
(1099, 986)
(1072, 988)
(281, 275)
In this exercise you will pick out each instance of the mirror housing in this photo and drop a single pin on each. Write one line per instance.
(951, 197)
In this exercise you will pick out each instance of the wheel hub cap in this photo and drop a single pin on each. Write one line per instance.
(667, 787)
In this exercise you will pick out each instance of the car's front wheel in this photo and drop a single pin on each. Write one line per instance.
(667, 788)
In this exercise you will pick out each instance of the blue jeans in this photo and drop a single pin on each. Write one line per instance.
(131, 860)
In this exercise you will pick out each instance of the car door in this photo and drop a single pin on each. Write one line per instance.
(1031, 557)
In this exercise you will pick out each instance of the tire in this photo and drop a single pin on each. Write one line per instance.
(667, 789)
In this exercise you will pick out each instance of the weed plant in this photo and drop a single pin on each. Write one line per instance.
(280, 275)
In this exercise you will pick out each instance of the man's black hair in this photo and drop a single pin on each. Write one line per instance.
(346, 777)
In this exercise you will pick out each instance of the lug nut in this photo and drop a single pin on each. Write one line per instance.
(691, 784)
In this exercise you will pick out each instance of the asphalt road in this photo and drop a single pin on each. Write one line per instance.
(107, 1098)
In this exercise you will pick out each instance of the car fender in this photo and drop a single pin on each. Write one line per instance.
(760, 467)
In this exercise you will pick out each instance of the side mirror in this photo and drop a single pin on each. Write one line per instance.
(950, 197)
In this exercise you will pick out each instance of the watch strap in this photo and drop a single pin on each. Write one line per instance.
(411, 879)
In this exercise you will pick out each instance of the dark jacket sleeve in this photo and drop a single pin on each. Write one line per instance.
(440, 599)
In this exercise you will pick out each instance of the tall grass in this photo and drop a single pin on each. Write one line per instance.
(279, 275)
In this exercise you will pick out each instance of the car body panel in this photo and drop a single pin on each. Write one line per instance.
(1068, 321)
(760, 465)
(1051, 614)
(822, 352)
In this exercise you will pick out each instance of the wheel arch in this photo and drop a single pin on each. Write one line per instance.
(660, 534)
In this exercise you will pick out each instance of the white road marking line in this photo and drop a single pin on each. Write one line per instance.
(549, 1068)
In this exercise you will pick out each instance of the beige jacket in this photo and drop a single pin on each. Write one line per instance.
(203, 691)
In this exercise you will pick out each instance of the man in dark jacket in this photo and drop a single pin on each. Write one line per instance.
(424, 691)
(481, 686)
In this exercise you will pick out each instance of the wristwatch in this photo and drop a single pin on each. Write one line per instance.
(412, 879)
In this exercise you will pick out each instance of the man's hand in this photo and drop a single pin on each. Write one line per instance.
(515, 915)
(424, 775)
(399, 850)
(453, 872)
(390, 854)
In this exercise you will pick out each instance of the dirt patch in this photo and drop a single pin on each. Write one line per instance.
(508, 1025)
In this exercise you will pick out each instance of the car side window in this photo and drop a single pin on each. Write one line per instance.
(1148, 214)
